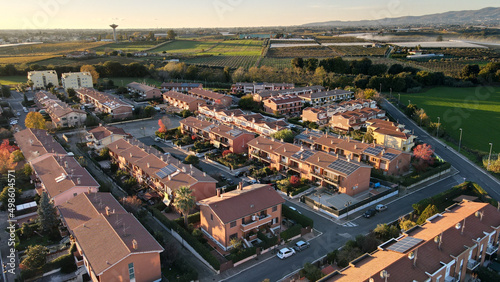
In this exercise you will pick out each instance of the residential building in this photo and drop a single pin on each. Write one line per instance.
(445, 248)
(390, 161)
(37, 144)
(317, 115)
(182, 101)
(355, 119)
(102, 136)
(333, 171)
(211, 97)
(221, 136)
(179, 86)
(76, 80)
(111, 243)
(322, 114)
(105, 103)
(145, 92)
(288, 105)
(239, 213)
(326, 97)
(256, 87)
(391, 134)
(259, 97)
(163, 173)
(61, 114)
(41, 79)
(248, 121)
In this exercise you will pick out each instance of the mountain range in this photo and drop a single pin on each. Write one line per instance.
(490, 15)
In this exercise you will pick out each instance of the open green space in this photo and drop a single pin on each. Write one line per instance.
(212, 47)
(92, 61)
(128, 46)
(123, 81)
(8, 80)
(476, 110)
(223, 61)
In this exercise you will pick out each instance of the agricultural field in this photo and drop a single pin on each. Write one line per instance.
(339, 39)
(9, 80)
(128, 46)
(358, 51)
(476, 110)
(92, 61)
(123, 81)
(212, 47)
(191, 47)
(32, 53)
(448, 67)
(277, 63)
(304, 52)
(222, 61)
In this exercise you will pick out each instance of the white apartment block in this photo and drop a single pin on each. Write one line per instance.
(41, 79)
(76, 80)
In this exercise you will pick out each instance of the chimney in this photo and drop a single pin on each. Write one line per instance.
(134, 244)
(184, 169)
(65, 164)
(204, 174)
(218, 192)
(78, 180)
(108, 211)
(240, 186)
(131, 155)
(148, 165)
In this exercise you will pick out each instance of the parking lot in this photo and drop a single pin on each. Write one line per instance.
(143, 128)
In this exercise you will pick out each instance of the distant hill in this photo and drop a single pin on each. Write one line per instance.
(483, 16)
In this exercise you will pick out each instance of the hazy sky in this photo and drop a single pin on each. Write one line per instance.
(39, 14)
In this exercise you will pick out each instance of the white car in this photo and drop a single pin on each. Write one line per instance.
(157, 139)
(285, 252)
(381, 207)
(294, 209)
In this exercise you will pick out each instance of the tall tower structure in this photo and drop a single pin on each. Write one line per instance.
(114, 26)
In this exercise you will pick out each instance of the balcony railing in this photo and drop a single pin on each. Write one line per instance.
(258, 221)
(78, 259)
(472, 264)
(491, 249)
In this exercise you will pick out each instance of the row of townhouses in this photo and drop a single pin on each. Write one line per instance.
(61, 114)
(105, 103)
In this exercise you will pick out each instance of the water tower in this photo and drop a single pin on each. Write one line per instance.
(114, 26)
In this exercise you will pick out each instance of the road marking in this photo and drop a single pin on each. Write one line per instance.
(349, 224)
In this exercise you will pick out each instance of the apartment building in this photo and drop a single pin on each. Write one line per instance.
(221, 136)
(356, 119)
(211, 97)
(144, 91)
(179, 86)
(445, 248)
(252, 122)
(322, 114)
(76, 80)
(288, 105)
(391, 134)
(259, 97)
(256, 87)
(102, 136)
(163, 173)
(239, 213)
(345, 175)
(182, 101)
(105, 103)
(112, 245)
(389, 160)
(61, 114)
(317, 115)
(42, 79)
(326, 97)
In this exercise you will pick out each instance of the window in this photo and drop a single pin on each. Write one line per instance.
(232, 224)
(211, 217)
(275, 208)
(131, 272)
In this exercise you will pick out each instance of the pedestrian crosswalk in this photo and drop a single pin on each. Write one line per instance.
(349, 224)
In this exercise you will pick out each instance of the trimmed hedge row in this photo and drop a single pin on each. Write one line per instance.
(191, 240)
(299, 218)
(419, 177)
(300, 190)
(192, 218)
(243, 254)
(291, 232)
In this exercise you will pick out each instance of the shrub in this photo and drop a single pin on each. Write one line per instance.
(291, 232)
(192, 219)
(299, 218)
(267, 242)
(243, 254)
(311, 272)
(429, 211)
(192, 159)
(294, 180)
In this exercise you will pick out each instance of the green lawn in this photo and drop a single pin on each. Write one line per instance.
(7, 80)
(212, 47)
(128, 46)
(476, 110)
(123, 81)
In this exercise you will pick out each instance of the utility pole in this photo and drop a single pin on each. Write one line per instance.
(460, 141)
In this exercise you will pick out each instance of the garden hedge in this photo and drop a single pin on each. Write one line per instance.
(299, 218)
(291, 232)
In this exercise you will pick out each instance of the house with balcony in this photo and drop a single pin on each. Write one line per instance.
(446, 247)
(61, 114)
(391, 134)
(317, 115)
(338, 173)
(288, 105)
(211, 97)
(182, 101)
(76, 80)
(144, 91)
(102, 136)
(42, 79)
(240, 214)
(326, 97)
(355, 119)
(163, 173)
(221, 136)
(179, 86)
(256, 87)
(105, 103)
(266, 94)
(111, 244)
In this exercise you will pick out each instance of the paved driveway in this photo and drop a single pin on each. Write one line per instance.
(144, 128)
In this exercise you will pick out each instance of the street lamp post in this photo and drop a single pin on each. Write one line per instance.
(489, 157)
(439, 123)
(347, 204)
(399, 98)
(460, 140)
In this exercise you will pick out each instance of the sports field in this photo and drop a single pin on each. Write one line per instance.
(476, 110)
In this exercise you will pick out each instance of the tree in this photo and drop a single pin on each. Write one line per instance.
(247, 103)
(35, 120)
(311, 272)
(192, 159)
(5, 91)
(294, 180)
(423, 155)
(36, 256)
(298, 63)
(386, 232)
(171, 34)
(27, 170)
(184, 201)
(17, 156)
(131, 204)
(4, 195)
(406, 224)
(429, 211)
(439, 38)
(93, 72)
(494, 164)
(286, 135)
(47, 216)
(6, 158)
(368, 137)
(71, 92)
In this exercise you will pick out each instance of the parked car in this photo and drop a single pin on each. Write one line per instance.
(369, 213)
(301, 245)
(25, 110)
(157, 139)
(230, 181)
(294, 209)
(285, 252)
(381, 207)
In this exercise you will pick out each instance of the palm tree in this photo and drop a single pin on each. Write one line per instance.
(184, 202)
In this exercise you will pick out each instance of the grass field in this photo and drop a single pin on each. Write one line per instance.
(128, 46)
(222, 61)
(123, 81)
(476, 110)
(212, 47)
(278, 63)
(72, 62)
(8, 80)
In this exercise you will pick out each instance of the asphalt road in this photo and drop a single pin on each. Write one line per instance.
(468, 170)
(15, 103)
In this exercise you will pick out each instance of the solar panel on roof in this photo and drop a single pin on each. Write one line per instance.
(343, 166)
(373, 151)
(405, 244)
(389, 156)
(303, 155)
(166, 171)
